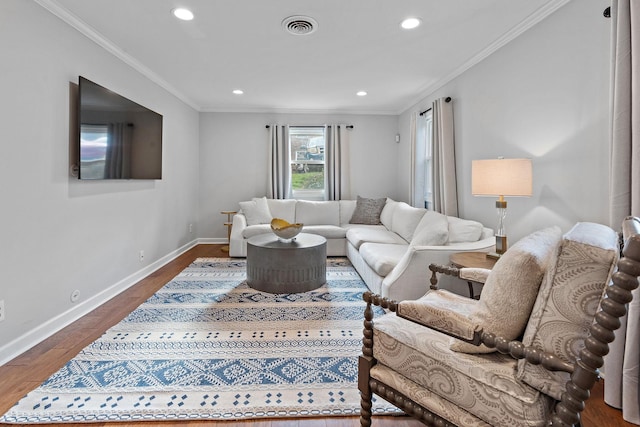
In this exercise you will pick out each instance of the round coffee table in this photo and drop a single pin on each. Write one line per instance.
(283, 267)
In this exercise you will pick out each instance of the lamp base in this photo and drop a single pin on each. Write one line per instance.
(501, 244)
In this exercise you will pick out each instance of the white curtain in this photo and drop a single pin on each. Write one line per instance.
(118, 155)
(621, 364)
(418, 142)
(279, 163)
(445, 193)
(336, 163)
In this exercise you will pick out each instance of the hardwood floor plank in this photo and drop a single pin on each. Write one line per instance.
(29, 370)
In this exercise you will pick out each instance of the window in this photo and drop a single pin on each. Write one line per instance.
(307, 160)
(423, 162)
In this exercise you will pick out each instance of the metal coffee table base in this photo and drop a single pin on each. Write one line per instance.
(284, 267)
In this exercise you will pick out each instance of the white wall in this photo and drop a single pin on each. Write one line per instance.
(234, 159)
(544, 96)
(60, 234)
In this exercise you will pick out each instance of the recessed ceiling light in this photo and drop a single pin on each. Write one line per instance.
(410, 23)
(182, 13)
(361, 93)
(238, 91)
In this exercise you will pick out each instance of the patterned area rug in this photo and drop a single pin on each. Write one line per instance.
(206, 346)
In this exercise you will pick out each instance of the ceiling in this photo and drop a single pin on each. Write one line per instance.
(358, 45)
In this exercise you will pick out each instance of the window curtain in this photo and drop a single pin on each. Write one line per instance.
(415, 159)
(621, 364)
(336, 163)
(279, 164)
(118, 155)
(445, 193)
(418, 160)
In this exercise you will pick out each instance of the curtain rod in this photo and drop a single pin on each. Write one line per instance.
(347, 126)
(447, 99)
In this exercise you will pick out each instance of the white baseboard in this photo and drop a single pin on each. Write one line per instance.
(213, 241)
(43, 331)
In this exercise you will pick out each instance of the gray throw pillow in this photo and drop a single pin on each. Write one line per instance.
(368, 211)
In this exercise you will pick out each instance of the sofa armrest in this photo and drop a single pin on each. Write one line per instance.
(237, 247)
(239, 224)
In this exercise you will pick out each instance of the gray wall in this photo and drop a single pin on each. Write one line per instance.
(234, 159)
(59, 234)
(544, 96)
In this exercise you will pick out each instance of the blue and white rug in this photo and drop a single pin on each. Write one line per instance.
(206, 346)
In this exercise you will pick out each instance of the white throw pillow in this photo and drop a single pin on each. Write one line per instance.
(405, 220)
(512, 287)
(256, 211)
(387, 212)
(283, 209)
(464, 230)
(432, 230)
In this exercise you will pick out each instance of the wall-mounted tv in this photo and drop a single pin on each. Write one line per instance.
(118, 139)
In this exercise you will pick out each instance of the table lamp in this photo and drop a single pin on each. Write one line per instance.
(502, 178)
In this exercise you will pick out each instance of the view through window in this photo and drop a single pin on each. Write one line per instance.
(428, 162)
(307, 162)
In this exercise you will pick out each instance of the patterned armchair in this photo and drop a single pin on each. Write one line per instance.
(526, 353)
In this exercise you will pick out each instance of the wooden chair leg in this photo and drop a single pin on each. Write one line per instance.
(364, 365)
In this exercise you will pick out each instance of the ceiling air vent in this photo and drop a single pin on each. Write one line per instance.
(299, 25)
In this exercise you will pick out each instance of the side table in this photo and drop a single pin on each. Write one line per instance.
(228, 224)
(472, 260)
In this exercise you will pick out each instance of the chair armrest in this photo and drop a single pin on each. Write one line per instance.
(533, 355)
(444, 312)
(443, 269)
(478, 275)
(513, 348)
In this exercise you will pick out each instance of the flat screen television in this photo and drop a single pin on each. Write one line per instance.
(118, 139)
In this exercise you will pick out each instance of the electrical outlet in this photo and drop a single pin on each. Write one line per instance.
(75, 295)
(141, 256)
(2, 310)
(190, 228)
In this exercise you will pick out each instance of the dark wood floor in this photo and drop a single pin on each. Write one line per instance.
(29, 370)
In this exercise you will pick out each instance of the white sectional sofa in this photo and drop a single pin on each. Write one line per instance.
(392, 256)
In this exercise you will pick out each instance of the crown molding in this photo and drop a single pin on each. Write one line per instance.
(267, 110)
(513, 33)
(88, 31)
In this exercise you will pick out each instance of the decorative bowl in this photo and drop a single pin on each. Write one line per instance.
(285, 230)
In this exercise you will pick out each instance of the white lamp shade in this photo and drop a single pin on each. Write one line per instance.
(501, 177)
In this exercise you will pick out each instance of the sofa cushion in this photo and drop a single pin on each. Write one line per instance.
(318, 213)
(464, 230)
(568, 300)
(432, 230)
(326, 231)
(382, 257)
(373, 234)
(405, 220)
(511, 288)
(256, 211)
(283, 208)
(254, 230)
(472, 382)
(368, 211)
(346, 211)
(386, 215)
